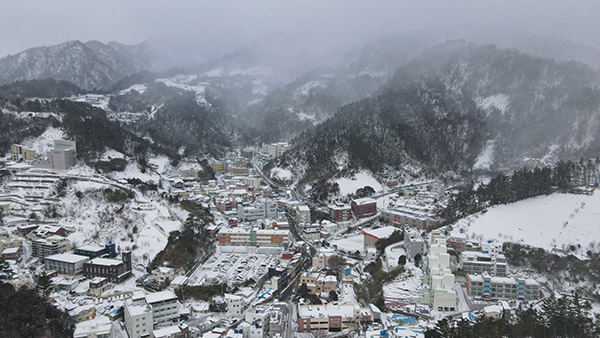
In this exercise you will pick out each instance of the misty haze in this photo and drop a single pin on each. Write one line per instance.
(281, 169)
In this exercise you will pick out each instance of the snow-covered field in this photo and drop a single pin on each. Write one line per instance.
(409, 285)
(555, 221)
(360, 180)
(351, 243)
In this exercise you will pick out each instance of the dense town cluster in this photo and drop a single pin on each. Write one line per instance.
(276, 265)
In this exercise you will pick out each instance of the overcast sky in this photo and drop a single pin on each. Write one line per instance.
(313, 24)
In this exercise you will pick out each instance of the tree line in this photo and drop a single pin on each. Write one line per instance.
(522, 184)
(556, 317)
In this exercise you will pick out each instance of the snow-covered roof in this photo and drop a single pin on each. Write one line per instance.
(364, 200)
(158, 297)
(67, 257)
(105, 261)
(92, 248)
(381, 232)
(330, 309)
(166, 331)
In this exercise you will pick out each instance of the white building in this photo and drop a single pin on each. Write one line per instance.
(99, 327)
(165, 307)
(303, 214)
(259, 210)
(444, 296)
(235, 304)
(138, 316)
(162, 275)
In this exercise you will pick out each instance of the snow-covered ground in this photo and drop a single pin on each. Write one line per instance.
(350, 243)
(498, 101)
(360, 180)
(281, 173)
(409, 285)
(554, 221)
(44, 142)
(486, 158)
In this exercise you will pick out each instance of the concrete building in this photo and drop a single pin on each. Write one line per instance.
(99, 327)
(413, 243)
(302, 214)
(457, 242)
(441, 280)
(94, 251)
(22, 153)
(486, 286)
(340, 212)
(65, 263)
(371, 236)
(235, 304)
(115, 270)
(162, 275)
(332, 317)
(364, 207)
(490, 260)
(413, 217)
(253, 237)
(165, 307)
(138, 317)
(60, 159)
(98, 285)
(262, 209)
(42, 247)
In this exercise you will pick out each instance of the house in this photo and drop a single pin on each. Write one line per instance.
(65, 263)
(457, 241)
(13, 254)
(98, 285)
(364, 207)
(351, 275)
(162, 275)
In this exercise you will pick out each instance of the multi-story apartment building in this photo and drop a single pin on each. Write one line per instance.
(138, 317)
(302, 214)
(165, 307)
(114, 270)
(364, 207)
(490, 260)
(406, 217)
(488, 287)
(253, 237)
(332, 317)
(340, 212)
(65, 263)
(441, 279)
(259, 210)
(413, 242)
(42, 247)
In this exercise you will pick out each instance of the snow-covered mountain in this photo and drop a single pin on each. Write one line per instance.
(89, 65)
(459, 107)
